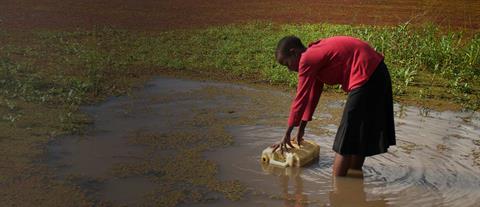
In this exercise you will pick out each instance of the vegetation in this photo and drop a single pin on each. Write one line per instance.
(425, 62)
(70, 67)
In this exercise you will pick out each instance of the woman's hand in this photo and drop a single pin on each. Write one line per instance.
(285, 141)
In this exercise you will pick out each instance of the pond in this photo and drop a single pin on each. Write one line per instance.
(175, 137)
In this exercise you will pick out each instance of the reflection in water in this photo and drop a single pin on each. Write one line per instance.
(346, 191)
(285, 175)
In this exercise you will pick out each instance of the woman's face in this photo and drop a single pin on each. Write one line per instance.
(291, 62)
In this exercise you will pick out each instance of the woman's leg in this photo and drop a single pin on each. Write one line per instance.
(341, 164)
(357, 162)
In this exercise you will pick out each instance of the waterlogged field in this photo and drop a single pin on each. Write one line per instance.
(198, 143)
(54, 60)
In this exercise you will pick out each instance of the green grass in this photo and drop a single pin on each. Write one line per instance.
(419, 58)
(81, 64)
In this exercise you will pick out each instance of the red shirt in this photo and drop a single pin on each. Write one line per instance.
(336, 60)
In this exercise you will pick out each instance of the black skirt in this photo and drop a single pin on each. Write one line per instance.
(367, 127)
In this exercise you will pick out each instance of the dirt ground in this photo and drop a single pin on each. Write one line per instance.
(155, 15)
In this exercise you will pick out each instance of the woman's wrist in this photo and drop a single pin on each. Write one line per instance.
(289, 130)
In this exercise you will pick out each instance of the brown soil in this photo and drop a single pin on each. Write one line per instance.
(157, 15)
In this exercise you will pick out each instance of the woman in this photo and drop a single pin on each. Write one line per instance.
(367, 126)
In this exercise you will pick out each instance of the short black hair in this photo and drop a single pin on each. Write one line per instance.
(287, 43)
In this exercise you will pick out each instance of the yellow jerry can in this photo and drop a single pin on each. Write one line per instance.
(295, 157)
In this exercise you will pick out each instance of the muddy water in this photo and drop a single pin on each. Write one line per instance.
(436, 161)
(432, 165)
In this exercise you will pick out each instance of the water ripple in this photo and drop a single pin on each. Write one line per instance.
(430, 166)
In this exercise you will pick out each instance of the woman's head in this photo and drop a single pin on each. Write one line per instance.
(288, 52)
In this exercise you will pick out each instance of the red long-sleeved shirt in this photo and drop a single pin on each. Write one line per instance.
(336, 60)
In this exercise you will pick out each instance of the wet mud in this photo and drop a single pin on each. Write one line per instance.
(154, 15)
(181, 142)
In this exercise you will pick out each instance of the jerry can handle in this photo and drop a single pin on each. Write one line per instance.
(288, 161)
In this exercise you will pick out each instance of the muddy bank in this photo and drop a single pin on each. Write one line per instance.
(186, 142)
(155, 15)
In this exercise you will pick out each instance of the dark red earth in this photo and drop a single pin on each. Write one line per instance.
(158, 15)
